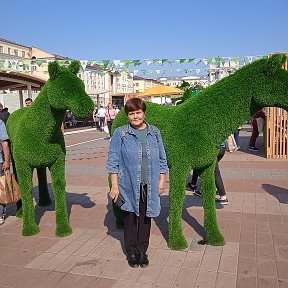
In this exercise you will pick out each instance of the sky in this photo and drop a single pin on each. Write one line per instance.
(101, 29)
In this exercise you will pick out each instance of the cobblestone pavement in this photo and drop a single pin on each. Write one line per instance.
(254, 223)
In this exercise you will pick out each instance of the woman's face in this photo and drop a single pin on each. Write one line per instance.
(136, 118)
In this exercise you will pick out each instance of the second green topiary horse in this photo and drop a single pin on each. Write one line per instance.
(37, 142)
(193, 131)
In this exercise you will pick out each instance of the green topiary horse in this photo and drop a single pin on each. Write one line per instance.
(193, 131)
(37, 142)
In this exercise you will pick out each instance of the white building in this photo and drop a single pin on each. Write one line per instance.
(221, 70)
(176, 81)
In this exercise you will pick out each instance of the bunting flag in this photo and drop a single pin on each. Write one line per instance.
(136, 63)
(2, 62)
(127, 65)
(104, 64)
(40, 62)
(83, 63)
(249, 59)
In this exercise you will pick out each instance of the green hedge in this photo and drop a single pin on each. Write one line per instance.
(193, 131)
(37, 142)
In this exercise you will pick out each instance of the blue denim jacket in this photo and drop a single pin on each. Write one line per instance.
(125, 157)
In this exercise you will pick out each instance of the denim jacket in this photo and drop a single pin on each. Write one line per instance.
(124, 159)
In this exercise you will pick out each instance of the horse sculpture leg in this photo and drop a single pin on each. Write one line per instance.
(176, 240)
(44, 197)
(57, 171)
(24, 173)
(213, 234)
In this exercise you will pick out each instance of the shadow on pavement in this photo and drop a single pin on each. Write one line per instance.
(281, 194)
(162, 220)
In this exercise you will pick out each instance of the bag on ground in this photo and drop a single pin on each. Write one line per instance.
(231, 143)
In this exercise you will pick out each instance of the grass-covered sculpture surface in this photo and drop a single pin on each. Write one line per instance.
(193, 131)
(37, 142)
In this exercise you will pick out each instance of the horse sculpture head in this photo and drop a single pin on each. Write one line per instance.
(66, 91)
(271, 81)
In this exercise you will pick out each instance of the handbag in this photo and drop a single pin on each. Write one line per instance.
(105, 129)
(9, 189)
(260, 124)
(231, 143)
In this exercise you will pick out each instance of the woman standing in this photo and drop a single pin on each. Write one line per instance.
(138, 166)
(110, 115)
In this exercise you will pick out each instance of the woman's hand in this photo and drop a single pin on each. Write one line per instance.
(114, 193)
(162, 183)
(6, 165)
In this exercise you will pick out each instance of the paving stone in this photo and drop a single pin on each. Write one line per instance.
(225, 280)
(167, 276)
(206, 279)
(186, 277)
(210, 262)
(254, 223)
(150, 274)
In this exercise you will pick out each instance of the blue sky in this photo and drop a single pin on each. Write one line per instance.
(93, 29)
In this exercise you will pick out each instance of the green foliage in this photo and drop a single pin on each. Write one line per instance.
(37, 142)
(190, 91)
(193, 132)
(74, 67)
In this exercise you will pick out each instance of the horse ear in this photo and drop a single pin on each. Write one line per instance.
(53, 69)
(275, 62)
(74, 67)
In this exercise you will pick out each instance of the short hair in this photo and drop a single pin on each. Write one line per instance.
(28, 99)
(134, 104)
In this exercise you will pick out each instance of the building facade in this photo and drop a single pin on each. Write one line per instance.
(141, 84)
(178, 80)
(99, 82)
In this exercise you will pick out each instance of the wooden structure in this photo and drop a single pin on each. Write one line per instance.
(276, 132)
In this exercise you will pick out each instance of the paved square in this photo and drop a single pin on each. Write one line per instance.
(254, 224)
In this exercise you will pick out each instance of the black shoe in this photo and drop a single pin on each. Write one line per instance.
(191, 187)
(143, 260)
(198, 193)
(251, 148)
(133, 260)
(222, 201)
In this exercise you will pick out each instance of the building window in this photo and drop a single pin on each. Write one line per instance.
(33, 67)
(1, 49)
(15, 52)
(9, 51)
(23, 54)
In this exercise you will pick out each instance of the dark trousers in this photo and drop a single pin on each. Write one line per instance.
(137, 229)
(101, 122)
(255, 134)
(109, 125)
(218, 179)
(236, 137)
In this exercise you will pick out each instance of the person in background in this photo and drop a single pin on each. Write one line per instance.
(4, 114)
(110, 115)
(28, 102)
(116, 109)
(101, 114)
(95, 118)
(137, 165)
(4, 162)
(218, 179)
(236, 137)
(260, 115)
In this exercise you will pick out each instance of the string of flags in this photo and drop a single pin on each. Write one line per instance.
(136, 67)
